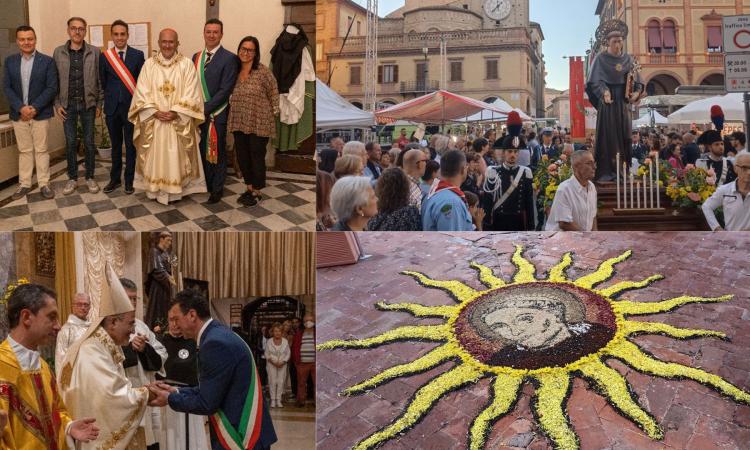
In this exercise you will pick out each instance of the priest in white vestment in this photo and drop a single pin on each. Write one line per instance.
(93, 381)
(144, 358)
(166, 110)
(73, 329)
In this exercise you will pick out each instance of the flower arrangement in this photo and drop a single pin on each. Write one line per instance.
(666, 171)
(693, 188)
(10, 288)
(549, 174)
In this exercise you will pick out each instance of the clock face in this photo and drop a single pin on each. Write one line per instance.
(497, 9)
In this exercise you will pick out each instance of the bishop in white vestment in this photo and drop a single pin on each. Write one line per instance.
(93, 381)
(166, 110)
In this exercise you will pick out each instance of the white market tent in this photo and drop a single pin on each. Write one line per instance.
(334, 112)
(645, 120)
(436, 108)
(490, 115)
(699, 111)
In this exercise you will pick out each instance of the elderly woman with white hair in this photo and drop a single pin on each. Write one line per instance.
(356, 148)
(354, 203)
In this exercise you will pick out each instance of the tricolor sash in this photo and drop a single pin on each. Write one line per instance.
(119, 66)
(248, 433)
(211, 145)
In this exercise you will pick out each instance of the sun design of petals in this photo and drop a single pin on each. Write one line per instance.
(552, 383)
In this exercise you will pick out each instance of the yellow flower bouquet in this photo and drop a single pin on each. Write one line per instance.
(10, 288)
(691, 190)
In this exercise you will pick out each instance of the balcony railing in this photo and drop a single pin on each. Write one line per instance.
(681, 58)
(417, 41)
(419, 86)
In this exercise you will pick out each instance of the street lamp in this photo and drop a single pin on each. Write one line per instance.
(425, 51)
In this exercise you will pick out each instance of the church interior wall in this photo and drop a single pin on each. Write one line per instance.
(220, 308)
(7, 273)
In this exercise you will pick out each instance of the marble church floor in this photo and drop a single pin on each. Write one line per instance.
(295, 427)
(288, 205)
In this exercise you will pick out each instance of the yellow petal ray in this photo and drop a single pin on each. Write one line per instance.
(459, 291)
(634, 357)
(526, 271)
(557, 273)
(487, 277)
(619, 288)
(630, 327)
(411, 332)
(419, 310)
(424, 399)
(429, 361)
(550, 396)
(613, 386)
(637, 308)
(603, 273)
(504, 395)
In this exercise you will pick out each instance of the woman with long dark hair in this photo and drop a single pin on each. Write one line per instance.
(253, 106)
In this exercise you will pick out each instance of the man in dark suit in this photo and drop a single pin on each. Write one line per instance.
(638, 148)
(228, 382)
(119, 69)
(217, 71)
(30, 85)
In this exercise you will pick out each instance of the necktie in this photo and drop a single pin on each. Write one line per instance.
(208, 58)
(122, 55)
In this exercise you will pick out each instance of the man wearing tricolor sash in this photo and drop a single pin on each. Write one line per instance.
(228, 390)
(119, 69)
(217, 72)
(166, 110)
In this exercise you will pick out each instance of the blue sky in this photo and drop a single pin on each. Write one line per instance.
(567, 26)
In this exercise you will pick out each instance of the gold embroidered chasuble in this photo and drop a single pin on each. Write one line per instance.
(168, 165)
(95, 385)
(37, 417)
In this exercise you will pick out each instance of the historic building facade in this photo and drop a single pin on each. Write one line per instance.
(493, 51)
(677, 42)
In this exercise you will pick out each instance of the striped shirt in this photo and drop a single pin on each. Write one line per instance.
(307, 349)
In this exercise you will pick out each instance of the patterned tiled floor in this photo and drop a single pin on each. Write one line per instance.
(288, 204)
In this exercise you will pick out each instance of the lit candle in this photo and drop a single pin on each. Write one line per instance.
(656, 177)
(617, 181)
(651, 181)
(631, 187)
(645, 203)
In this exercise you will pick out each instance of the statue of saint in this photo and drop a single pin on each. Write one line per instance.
(613, 84)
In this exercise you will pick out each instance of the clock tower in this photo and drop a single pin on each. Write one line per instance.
(504, 13)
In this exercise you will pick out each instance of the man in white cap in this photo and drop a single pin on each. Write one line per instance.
(73, 329)
(93, 380)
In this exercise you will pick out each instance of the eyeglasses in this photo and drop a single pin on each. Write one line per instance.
(77, 30)
(422, 161)
(247, 50)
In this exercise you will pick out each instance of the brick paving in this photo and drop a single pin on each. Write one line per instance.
(692, 416)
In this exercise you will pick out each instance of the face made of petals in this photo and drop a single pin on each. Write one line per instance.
(528, 327)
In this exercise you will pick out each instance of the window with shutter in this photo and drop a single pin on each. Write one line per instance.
(380, 74)
(669, 37)
(653, 37)
(491, 69)
(714, 39)
(355, 75)
(456, 71)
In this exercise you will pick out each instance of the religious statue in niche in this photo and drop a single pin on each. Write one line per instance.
(160, 281)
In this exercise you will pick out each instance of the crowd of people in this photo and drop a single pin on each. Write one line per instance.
(172, 113)
(480, 181)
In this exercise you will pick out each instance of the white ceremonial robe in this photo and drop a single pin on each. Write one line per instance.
(73, 329)
(168, 164)
(96, 386)
(175, 434)
(139, 377)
